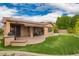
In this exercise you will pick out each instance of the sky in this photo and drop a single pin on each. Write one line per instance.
(46, 12)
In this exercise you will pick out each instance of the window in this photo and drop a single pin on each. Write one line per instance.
(49, 29)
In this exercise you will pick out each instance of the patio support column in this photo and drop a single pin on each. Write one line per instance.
(7, 28)
(45, 30)
(7, 39)
(31, 32)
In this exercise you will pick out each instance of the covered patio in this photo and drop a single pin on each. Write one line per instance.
(31, 40)
(18, 32)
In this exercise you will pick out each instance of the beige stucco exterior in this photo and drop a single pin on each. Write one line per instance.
(27, 30)
(8, 40)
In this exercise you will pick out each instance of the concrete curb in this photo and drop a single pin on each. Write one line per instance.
(20, 53)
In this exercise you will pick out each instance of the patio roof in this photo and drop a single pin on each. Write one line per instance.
(25, 22)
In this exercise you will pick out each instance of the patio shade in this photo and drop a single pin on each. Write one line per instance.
(34, 25)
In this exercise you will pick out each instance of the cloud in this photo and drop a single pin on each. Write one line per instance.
(39, 11)
(58, 9)
(31, 9)
(51, 17)
(5, 12)
(68, 7)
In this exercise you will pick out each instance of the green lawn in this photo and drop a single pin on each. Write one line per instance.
(53, 45)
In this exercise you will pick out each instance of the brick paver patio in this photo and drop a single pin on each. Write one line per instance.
(34, 40)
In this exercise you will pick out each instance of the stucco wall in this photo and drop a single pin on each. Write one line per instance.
(24, 31)
(8, 40)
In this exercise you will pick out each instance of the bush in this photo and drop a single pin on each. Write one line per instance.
(55, 29)
(1, 31)
(70, 30)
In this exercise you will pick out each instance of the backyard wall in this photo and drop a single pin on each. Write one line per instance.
(62, 31)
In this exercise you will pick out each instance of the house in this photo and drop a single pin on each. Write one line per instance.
(17, 27)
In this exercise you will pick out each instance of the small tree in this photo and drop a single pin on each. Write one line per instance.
(63, 22)
(77, 27)
(55, 28)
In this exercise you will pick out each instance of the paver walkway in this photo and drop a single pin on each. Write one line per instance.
(35, 40)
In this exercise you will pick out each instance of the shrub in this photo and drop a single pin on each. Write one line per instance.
(70, 30)
(55, 28)
(1, 31)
